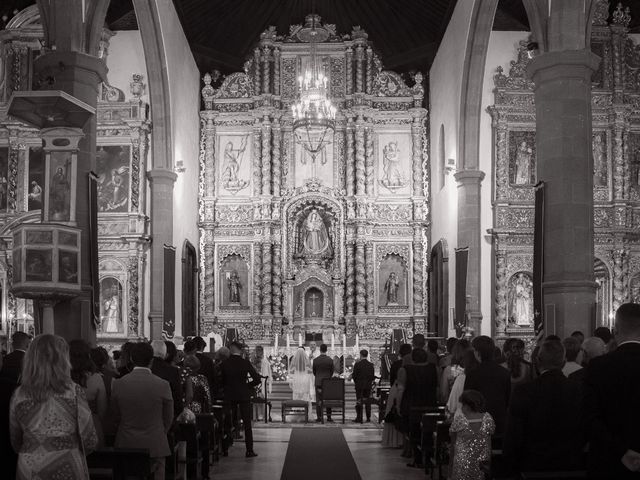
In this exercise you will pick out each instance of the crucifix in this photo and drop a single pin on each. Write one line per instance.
(313, 297)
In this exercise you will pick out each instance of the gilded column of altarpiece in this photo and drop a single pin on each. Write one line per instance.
(318, 245)
(616, 178)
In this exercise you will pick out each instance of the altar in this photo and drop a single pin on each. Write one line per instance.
(329, 245)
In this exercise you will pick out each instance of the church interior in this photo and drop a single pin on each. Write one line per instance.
(295, 173)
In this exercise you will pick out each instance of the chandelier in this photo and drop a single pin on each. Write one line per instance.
(313, 114)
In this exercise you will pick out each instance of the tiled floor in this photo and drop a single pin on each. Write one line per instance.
(373, 461)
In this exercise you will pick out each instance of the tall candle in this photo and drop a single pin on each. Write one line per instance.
(299, 339)
(288, 341)
(344, 344)
(275, 345)
(357, 343)
(333, 341)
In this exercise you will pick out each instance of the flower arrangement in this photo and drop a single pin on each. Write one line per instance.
(279, 366)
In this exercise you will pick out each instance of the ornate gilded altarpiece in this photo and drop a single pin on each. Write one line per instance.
(616, 162)
(122, 139)
(289, 244)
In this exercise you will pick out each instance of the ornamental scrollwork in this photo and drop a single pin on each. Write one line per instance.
(236, 85)
(242, 250)
(234, 213)
(390, 84)
(517, 78)
(384, 249)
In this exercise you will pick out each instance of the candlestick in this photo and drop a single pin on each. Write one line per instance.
(275, 345)
(333, 341)
(357, 343)
(299, 339)
(288, 342)
(344, 344)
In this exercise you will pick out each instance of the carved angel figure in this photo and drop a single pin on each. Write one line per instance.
(232, 162)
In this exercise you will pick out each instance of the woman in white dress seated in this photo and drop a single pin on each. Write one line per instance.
(301, 377)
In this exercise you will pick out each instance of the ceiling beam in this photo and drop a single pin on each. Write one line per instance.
(424, 52)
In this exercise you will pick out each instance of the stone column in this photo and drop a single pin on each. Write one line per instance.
(257, 158)
(350, 159)
(361, 279)
(501, 291)
(266, 156)
(564, 161)
(619, 179)
(368, 250)
(277, 160)
(360, 157)
(134, 268)
(277, 279)
(369, 160)
(208, 291)
(350, 280)
(266, 279)
(469, 182)
(257, 278)
(418, 267)
(349, 70)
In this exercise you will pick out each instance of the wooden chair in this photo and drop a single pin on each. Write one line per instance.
(188, 433)
(255, 401)
(332, 396)
(295, 407)
(119, 464)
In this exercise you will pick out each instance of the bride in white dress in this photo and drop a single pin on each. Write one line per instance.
(301, 377)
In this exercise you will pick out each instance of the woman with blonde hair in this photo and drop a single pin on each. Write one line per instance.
(51, 426)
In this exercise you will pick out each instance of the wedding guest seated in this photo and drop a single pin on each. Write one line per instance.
(592, 347)
(85, 374)
(51, 426)
(12, 362)
(363, 376)
(519, 369)
(612, 396)
(578, 335)
(171, 374)
(405, 350)
(471, 432)
(417, 385)
(143, 409)
(491, 380)
(544, 430)
(572, 350)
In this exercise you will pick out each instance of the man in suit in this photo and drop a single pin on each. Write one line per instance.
(171, 374)
(592, 347)
(612, 396)
(544, 431)
(490, 379)
(143, 409)
(12, 363)
(322, 368)
(405, 349)
(206, 362)
(363, 376)
(237, 393)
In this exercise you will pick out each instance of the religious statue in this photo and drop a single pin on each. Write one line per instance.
(234, 286)
(119, 191)
(393, 178)
(232, 161)
(523, 165)
(315, 236)
(521, 301)
(599, 161)
(35, 196)
(391, 287)
(111, 305)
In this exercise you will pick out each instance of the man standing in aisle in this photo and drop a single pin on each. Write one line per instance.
(322, 368)
(237, 393)
(363, 376)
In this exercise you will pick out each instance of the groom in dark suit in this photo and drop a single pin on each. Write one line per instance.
(322, 368)
(237, 393)
(612, 396)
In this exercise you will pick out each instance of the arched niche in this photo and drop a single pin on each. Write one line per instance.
(233, 283)
(438, 286)
(604, 292)
(112, 311)
(520, 300)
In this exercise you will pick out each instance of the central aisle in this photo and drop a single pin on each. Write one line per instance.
(359, 446)
(318, 454)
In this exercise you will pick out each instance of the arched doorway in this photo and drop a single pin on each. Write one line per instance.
(189, 290)
(439, 290)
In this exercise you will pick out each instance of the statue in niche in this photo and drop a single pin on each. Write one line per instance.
(60, 194)
(232, 161)
(393, 178)
(523, 165)
(391, 288)
(111, 313)
(234, 285)
(599, 161)
(521, 300)
(315, 235)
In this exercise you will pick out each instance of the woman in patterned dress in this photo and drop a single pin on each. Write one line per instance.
(51, 425)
